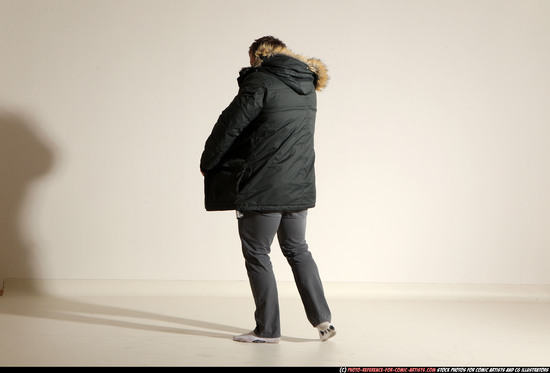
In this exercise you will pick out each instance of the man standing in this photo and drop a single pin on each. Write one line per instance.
(259, 160)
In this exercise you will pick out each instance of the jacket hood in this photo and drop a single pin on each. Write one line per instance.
(290, 68)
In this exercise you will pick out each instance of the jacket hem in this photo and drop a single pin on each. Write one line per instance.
(260, 208)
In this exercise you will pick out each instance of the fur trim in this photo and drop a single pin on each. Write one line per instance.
(314, 64)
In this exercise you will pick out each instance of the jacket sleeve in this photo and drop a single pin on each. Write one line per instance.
(244, 108)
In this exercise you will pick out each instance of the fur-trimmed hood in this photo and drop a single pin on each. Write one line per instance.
(316, 66)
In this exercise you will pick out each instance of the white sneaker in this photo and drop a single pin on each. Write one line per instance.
(252, 338)
(326, 331)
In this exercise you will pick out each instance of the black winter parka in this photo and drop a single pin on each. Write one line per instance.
(260, 155)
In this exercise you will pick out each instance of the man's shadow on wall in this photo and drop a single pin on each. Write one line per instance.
(25, 156)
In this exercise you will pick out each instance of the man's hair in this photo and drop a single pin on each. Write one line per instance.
(272, 41)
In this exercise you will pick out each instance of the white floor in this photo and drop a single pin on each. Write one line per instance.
(139, 323)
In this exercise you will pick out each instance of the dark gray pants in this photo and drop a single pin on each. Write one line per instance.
(257, 231)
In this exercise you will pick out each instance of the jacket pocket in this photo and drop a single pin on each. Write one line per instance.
(221, 183)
